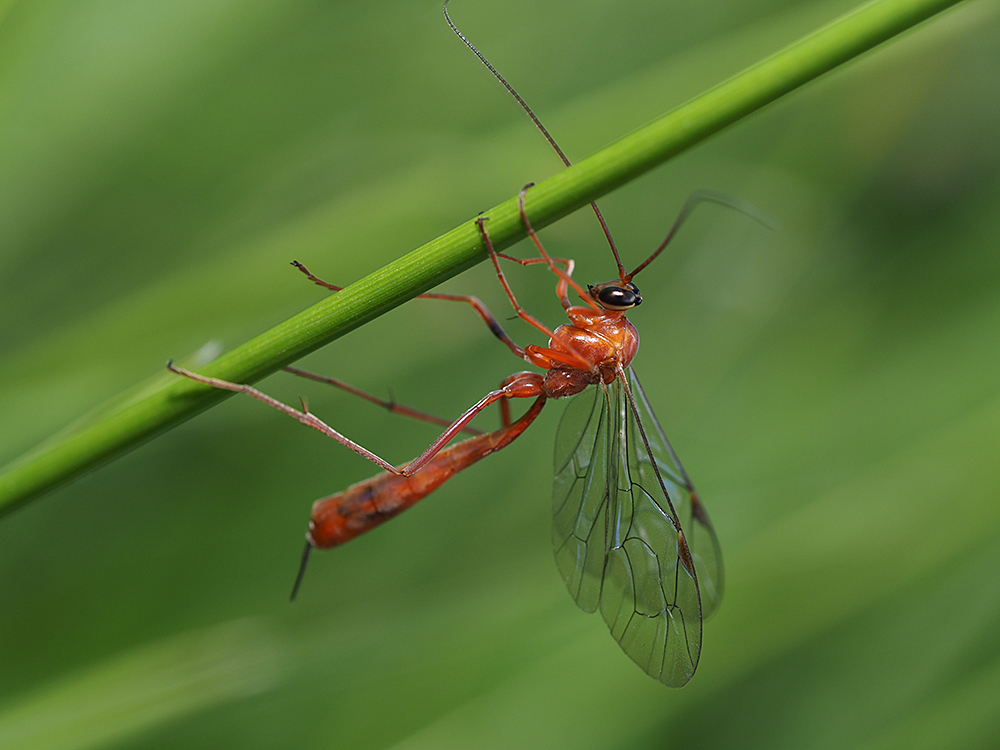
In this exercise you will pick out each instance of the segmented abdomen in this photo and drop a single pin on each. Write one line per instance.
(363, 506)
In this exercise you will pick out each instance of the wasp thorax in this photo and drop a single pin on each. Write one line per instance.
(616, 295)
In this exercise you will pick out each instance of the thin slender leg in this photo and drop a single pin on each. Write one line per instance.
(519, 385)
(315, 280)
(484, 313)
(391, 406)
(565, 277)
(491, 322)
(579, 360)
(302, 416)
(663, 436)
(495, 328)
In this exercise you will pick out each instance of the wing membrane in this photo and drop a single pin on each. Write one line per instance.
(584, 472)
(618, 539)
(701, 538)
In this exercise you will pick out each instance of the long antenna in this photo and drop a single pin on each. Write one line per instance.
(696, 198)
(538, 124)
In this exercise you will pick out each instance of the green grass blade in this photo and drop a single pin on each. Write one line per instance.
(168, 400)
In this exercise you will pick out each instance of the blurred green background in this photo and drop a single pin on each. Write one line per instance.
(833, 388)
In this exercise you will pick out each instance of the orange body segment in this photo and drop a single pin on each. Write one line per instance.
(605, 339)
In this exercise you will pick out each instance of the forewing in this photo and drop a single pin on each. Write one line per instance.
(701, 539)
(580, 494)
(618, 542)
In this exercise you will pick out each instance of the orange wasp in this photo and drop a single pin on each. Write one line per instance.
(631, 537)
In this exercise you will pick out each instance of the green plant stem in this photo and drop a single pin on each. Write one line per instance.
(169, 399)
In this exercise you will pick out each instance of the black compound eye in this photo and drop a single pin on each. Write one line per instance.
(616, 295)
(617, 298)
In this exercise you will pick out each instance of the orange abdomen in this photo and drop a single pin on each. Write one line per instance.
(363, 506)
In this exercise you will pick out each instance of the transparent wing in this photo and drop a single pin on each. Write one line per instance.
(701, 538)
(584, 477)
(618, 540)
